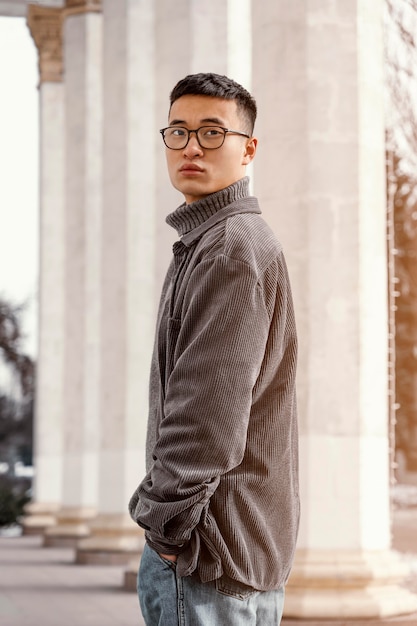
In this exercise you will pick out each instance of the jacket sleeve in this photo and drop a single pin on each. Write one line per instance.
(219, 344)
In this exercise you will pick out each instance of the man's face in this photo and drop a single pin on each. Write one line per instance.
(195, 171)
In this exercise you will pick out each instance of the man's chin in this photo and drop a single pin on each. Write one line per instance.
(192, 193)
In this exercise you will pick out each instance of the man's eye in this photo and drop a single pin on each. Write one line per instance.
(212, 132)
(177, 132)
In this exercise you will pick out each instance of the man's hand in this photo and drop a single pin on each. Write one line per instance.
(169, 557)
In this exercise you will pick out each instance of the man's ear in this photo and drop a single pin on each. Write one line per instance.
(250, 151)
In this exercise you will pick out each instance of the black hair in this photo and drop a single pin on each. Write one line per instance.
(218, 86)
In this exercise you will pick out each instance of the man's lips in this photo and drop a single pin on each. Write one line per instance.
(190, 168)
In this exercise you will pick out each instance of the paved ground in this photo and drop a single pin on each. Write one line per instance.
(43, 586)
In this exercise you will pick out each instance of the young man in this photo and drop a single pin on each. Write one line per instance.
(219, 503)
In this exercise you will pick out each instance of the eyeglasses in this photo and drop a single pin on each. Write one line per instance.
(208, 137)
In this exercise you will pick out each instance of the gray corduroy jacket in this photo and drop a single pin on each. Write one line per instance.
(221, 489)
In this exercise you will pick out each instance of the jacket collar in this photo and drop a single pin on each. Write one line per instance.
(192, 220)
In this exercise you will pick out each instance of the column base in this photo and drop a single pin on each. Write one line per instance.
(114, 540)
(408, 620)
(72, 525)
(131, 574)
(350, 585)
(38, 517)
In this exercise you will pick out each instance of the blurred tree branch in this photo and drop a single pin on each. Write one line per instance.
(11, 339)
(401, 79)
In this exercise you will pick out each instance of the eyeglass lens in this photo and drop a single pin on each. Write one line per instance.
(208, 137)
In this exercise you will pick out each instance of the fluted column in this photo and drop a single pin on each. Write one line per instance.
(127, 274)
(82, 32)
(320, 177)
(45, 27)
(206, 37)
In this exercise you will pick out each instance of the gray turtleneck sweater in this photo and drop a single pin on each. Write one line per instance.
(221, 489)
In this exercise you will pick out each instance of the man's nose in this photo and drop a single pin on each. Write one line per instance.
(192, 147)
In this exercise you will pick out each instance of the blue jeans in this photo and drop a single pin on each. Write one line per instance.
(170, 600)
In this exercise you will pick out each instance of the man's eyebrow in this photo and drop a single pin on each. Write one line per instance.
(213, 120)
(206, 120)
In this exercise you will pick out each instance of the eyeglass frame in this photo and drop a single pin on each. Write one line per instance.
(225, 131)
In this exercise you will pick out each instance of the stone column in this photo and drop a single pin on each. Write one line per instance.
(45, 27)
(127, 274)
(320, 178)
(214, 37)
(206, 37)
(82, 23)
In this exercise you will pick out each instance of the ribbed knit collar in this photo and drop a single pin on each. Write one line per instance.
(189, 216)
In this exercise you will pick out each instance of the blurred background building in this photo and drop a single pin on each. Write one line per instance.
(317, 71)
